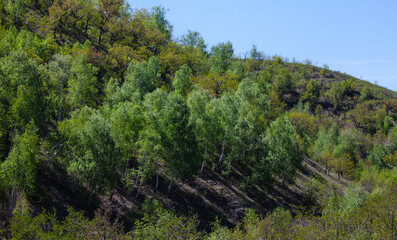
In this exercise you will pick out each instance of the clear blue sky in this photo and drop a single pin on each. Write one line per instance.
(358, 37)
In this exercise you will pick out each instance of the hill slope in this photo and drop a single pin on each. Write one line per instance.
(101, 110)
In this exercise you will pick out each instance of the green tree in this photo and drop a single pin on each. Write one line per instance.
(283, 149)
(377, 155)
(253, 107)
(218, 83)
(58, 72)
(347, 144)
(174, 56)
(143, 77)
(221, 57)
(82, 83)
(168, 136)
(194, 39)
(91, 153)
(127, 121)
(305, 128)
(22, 90)
(19, 170)
(283, 156)
(166, 225)
(339, 91)
(224, 114)
(182, 83)
(283, 81)
(180, 145)
(17, 9)
(366, 93)
(312, 92)
(205, 130)
(158, 20)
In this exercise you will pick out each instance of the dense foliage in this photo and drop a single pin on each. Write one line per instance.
(106, 97)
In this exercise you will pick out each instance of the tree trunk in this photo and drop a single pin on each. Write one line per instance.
(90, 198)
(139, 188)
(205, 157)
(60, 102)
(223, 154)
(169, 189)
(71, 110)
(202, 166)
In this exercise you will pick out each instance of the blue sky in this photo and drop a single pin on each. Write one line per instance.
(358, 37)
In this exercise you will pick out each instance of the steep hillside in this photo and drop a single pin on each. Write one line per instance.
(102, 111)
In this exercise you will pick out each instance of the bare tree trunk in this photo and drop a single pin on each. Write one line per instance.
(60, 102)
(223, 154)
(202, 165)
(169, 189)
(139, 188)
(90, 198)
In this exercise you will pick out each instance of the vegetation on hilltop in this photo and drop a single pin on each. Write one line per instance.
(105, 99)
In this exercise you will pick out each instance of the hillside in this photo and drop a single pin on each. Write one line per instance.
(110, 127)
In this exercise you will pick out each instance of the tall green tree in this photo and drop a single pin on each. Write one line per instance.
(19, 170)
(22, 94)
(253, 107)
(224, 115)
(58, 72)
(91, 154)
(159, 21)
(312, 92)
(283, 81)
(127, 121)
(82, 83)
(377, 155)
(221, 57)
(143, 77)
(283, 155)
(169, 136)
(182, 83)
(194, 39)
(204, 130)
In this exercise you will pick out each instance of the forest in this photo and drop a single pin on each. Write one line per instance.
(111, 127)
